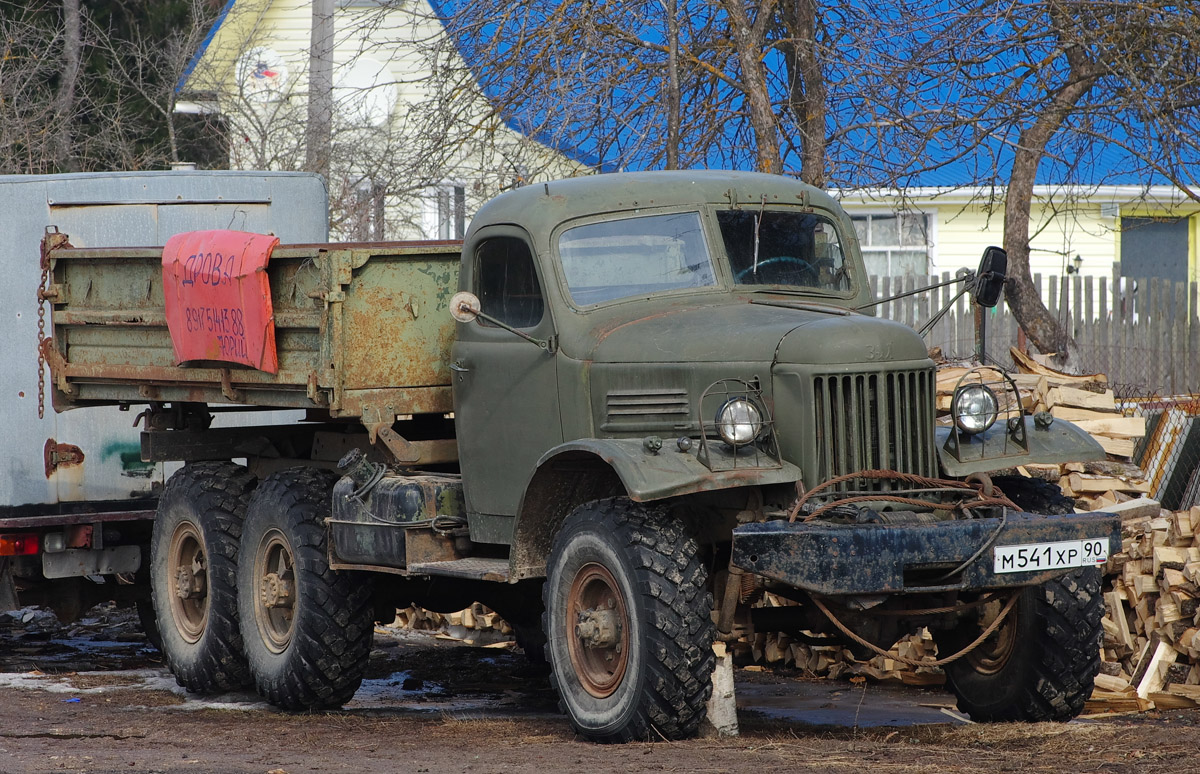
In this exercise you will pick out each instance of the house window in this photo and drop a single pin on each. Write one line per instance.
(894, 245)
(451, 211)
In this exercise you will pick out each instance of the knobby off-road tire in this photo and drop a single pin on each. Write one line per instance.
(1034, 495)
(628, 623)
(193, 575)
(1042, 662)
(307, 629)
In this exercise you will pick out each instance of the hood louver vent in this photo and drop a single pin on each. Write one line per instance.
(646, 410)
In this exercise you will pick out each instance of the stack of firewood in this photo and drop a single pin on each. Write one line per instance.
(833, 660)
(465, 624)
(1151, 651)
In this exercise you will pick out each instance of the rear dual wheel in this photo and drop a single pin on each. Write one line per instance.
(193, 575)
(306, 628)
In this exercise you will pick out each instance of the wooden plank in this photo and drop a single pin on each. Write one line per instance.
(1178, 344)
(1096, 422)
(1071, 396)
(1118, 447)
(1104, 333)
(1084, 482)
(1156, 672)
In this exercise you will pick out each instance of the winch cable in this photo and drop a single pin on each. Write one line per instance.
(912, 661)
(921, 611)
(991, 541)
(982, 493)
(976, 490)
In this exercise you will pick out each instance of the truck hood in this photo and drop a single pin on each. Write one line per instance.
(754, 332)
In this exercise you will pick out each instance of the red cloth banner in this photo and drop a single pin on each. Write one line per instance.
(218, 299)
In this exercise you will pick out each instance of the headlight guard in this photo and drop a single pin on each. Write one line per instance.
(736, 428)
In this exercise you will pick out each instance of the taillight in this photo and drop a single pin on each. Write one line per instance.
(19, 544)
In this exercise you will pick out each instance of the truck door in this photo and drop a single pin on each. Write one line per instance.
(505, 387)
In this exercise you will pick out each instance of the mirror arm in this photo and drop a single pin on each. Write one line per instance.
(942, 312)
(967, 276)
(542, 343)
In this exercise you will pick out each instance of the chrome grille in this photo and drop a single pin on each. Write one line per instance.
(874, 421)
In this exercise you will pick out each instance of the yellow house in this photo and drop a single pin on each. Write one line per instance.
(415, 146)
(1149, 232)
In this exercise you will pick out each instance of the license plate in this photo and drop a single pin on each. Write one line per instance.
(1037, 557)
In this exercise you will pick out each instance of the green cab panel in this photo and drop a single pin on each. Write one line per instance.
(649, 475)
(990, 450)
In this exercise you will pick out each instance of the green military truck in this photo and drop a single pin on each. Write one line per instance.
(652, 398)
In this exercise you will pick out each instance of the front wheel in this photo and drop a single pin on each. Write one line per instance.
(1041, 663)
(307, 629)
(628, 623)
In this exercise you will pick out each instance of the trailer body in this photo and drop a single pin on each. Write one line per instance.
(81, 474)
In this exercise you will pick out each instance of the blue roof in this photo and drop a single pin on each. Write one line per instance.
(208, 38)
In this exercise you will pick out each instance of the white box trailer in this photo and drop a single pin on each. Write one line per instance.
(77, 479)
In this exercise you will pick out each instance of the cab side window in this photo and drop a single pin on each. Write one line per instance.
(507, 282)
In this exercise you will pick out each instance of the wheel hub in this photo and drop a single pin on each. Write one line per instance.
(187, 565)
(599, 629)
(599, 640)
(190, 582)
(275, 569)
(276, 591)
(993, 653)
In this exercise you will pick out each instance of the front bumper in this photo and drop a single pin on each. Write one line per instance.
(832, 559)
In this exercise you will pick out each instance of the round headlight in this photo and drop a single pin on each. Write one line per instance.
(739, 422)
(974, 408)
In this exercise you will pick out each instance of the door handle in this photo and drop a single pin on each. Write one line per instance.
(458, 367)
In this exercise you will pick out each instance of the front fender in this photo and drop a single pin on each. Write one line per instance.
(1060, 442)
(649, 475)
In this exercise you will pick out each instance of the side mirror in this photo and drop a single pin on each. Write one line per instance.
(464, 307)
(989, 279)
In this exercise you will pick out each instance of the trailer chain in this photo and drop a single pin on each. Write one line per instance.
(41, 295)
(1012, 601)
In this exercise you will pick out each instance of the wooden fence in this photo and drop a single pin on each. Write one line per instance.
(1144, 334)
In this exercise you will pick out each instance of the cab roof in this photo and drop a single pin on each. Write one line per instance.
(542, 206)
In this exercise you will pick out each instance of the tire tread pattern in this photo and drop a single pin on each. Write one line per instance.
(1063, 654)
(680, 631)
(325, 662)
(219, 492)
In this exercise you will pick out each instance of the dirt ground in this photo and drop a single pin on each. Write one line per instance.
(94, 697)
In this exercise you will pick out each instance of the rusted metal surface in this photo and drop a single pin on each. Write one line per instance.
(60, 455)
(354, 325)
(827, 558)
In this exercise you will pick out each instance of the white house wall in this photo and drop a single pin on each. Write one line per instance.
(472, 148)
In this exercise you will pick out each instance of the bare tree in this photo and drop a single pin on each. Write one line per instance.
(759, 82)
(90, 86)
(408, 125)
(1039, 91)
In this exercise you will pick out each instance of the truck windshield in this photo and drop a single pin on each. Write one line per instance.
(635, 256)
(779, 248)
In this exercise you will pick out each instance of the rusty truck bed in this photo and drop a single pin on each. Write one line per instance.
(362, 330)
